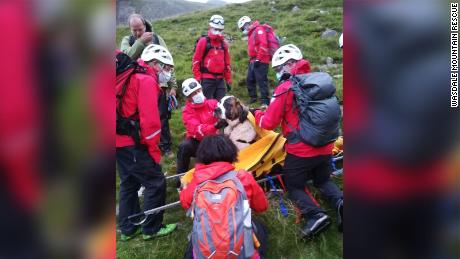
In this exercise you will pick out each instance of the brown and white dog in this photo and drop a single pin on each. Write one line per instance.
(239, 129)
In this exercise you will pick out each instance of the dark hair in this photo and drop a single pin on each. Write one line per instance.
(216, 148)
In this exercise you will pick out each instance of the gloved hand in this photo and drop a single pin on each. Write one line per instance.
(229, 87)
(253, 111)
(222, 123)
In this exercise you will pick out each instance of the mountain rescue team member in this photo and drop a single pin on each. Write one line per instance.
(215, 156)
(140, 165)
(199, 121)
(259, 58)
(302, 161)
(133, 45)
(211, 61)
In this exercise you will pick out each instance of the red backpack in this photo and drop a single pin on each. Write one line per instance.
(212, 62)
(125, 69)
(222, 226)
(273, 40)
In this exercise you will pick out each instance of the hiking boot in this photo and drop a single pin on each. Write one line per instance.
(164, 230)
(315, 225)
(252, 100)
(125, 238)
(340, 216)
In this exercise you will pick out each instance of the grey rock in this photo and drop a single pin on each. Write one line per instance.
(272, 2)
(329, 61)
(274, 10)
(295, 9)
(323, 12)
(328, 33)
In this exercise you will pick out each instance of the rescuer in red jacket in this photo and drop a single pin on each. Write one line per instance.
(211, 61)
(259, 58)
(303, 161)
(140, 163)
(199, 121)
(215, 156)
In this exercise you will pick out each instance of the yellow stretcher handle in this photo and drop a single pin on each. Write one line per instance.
(256, 241)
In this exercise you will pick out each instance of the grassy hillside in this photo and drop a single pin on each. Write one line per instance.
(302, 28)
(158, 9)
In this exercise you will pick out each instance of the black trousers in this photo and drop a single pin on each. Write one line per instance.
(165, 115)
(258, 75)
(135, 168)
(187, 149)
(213, 88)
(298, 170)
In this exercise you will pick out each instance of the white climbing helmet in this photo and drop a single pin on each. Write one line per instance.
(286, 53)
(242, 21)
(217, 21)
(189, 86)
(157, 52)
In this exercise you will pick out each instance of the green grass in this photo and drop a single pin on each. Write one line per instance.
(303, 29)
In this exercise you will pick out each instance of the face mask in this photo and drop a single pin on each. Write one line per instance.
(215, 32)
(164, 77)
(279, 75)
(198, 98)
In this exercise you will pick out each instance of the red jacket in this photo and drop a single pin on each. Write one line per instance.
(142, 95)
(258, 44)
(254, 192)
(199, 119)
(281, 111)
(216, 41)
(21, 119)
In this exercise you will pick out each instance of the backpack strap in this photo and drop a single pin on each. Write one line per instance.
(156, 39)
(293, 136)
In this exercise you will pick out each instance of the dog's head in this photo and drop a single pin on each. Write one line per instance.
(230, 108)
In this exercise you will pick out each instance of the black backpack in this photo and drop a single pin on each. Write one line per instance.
(206, 51)
(319, 110)
(125, 69)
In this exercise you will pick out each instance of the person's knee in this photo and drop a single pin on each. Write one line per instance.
(129, 187)
(155, 185)
(186, 147)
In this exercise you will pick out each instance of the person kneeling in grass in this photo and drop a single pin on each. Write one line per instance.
(220, 199)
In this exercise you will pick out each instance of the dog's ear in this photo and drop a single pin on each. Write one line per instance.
(243, 113)
(233, 111)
